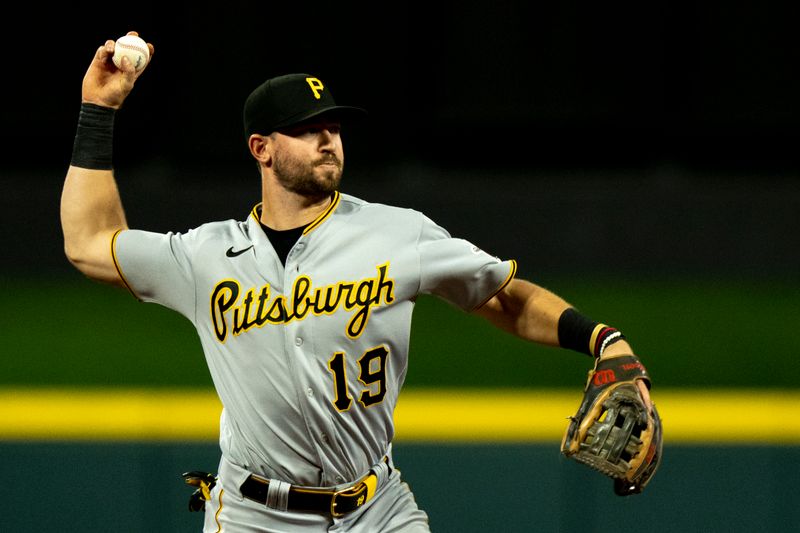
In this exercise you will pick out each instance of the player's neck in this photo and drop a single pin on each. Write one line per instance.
(282, 209)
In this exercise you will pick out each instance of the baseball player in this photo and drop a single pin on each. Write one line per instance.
(303, 308)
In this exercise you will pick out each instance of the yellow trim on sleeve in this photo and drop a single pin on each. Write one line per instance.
(116, 264)
(510, 276)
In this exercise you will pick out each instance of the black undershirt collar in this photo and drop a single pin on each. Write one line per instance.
(282, 240)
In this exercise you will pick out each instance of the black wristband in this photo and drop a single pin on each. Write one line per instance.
(579, 333)
(94, 139)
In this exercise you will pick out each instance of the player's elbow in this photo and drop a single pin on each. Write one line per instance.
(76, 255)
(79, 257)
(77, 248)
(92, 257)
(72, 255)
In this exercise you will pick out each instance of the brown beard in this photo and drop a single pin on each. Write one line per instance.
(303, 178)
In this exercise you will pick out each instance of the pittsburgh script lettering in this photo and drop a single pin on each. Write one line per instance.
(231, 314)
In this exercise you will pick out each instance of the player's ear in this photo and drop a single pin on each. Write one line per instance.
(260, 148)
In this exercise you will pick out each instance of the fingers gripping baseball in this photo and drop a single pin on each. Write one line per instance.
(108, 82)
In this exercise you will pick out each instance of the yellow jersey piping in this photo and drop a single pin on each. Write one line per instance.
(116, 264)
(216, 516)
(315, 223)
(320, 219)
(510, 276)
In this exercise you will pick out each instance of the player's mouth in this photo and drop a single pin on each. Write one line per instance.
(329, 162)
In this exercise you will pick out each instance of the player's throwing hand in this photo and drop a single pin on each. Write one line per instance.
(105, 84)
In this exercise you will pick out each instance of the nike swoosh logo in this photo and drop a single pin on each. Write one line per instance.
(231, 253)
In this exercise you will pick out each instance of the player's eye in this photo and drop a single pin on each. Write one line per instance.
(314, 129)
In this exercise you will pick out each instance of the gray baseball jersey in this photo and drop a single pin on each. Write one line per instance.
(308, 358)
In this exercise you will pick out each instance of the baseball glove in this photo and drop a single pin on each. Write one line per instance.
(613, 431)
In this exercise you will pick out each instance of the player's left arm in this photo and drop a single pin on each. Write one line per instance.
(533, 313)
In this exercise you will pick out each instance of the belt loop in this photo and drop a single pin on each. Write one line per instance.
(381, 470)
(278, 495)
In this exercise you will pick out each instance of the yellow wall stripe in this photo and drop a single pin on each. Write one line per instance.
(108, 414)
(721, 416)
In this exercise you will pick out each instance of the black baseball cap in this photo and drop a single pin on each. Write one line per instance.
(289, 99)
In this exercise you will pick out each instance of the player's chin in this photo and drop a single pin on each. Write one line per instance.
(329, 176)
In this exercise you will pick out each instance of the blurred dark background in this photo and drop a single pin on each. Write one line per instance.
(649, 139)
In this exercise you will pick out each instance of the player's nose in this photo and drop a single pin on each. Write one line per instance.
(327, 139)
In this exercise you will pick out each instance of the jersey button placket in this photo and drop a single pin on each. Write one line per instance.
(294, 336)
(295, 251)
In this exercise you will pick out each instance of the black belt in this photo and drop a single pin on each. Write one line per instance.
(336, 503)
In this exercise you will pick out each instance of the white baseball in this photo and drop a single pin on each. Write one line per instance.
(134, 48)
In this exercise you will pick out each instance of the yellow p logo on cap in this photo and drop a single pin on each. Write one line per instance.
(316, 87)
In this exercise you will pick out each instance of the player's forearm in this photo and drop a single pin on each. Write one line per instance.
(536, 314)
(527, 311)
(91, 212)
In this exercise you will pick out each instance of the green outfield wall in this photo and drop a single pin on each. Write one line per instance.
(697, 333)
(136, 487)
(717, 349)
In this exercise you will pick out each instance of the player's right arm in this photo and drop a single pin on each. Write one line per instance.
(91, 213)
(91, 209)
